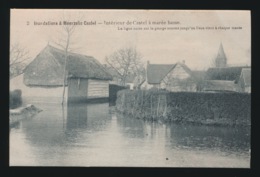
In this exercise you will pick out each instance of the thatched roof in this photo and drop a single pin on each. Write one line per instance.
(47, 69)
(80, 66)
(227, 73)
(219, 85)
(157, 72)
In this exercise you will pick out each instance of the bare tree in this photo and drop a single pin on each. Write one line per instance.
(140, 76)
(124, 62)
(18, 58)
(65, 42)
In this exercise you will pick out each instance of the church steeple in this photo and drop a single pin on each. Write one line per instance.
(221, 60)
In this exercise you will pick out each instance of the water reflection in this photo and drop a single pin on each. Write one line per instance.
(89, 135)
(87, 116)
(53, 126)
(131, 127)
(210, 137)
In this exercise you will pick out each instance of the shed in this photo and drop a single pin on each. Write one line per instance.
(87, 78)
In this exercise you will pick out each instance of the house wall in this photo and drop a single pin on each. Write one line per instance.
(146, 86)
(187, 87)
(131, 85)
(178, 72)
(241, 85)
(77, 89)
(37, 94)
(248, 89)
(98, 89)
(175, 81)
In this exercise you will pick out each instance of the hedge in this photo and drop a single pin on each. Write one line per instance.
(195, 107)
(15, 99)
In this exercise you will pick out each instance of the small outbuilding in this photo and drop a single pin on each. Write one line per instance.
(87, 78)
(43, 78)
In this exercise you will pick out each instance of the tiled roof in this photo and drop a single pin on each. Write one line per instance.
(157, 72)
(226, 73)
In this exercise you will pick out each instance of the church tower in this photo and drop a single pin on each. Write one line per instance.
(221, 60)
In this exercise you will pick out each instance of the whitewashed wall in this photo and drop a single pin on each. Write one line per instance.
(98, 88)
(37, 94)
(178, 72)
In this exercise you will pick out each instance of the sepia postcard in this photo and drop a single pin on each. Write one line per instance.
(130, 88)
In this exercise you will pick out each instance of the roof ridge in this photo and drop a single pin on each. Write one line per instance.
(174, 65)
(69, 52)
(49, 47)
(157, 72)
(163, 64)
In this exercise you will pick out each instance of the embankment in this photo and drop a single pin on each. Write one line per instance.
(194, 107)
(18, 114)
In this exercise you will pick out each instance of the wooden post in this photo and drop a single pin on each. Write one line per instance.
(158, 105)
(133, 107)
(142, 97)
(165, 108)
(151, 104)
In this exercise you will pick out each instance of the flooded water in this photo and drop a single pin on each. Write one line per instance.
(91, 135)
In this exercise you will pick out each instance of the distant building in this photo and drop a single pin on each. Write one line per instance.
(219, 86)
(172, 77)
(227, 73)
(221, 59)
(44, 77)
(244, 81)
(227, 79)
